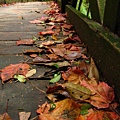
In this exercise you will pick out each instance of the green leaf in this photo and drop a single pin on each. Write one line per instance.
(55, 79)
(20, 78)
(52, 106)
(56, 65)
(84, 112)
(34, 38)
(86, 106)
(77, 91)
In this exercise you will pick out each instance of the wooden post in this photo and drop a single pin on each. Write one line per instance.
(110, 14)
(73, 3)
(95, 11)
(63, 4)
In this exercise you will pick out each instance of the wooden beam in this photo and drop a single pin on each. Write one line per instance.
(103, 45)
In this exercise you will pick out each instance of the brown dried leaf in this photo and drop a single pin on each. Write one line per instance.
(52, 56)
(40, 59)
(36, 21)
(67, 26)
(25, 42)
(59, 51)
(33, 55)
(32, 51)
(48, 43)
(65, 110)
(74, 75)
(71, 55)
(14, 69)
(93, 71)
(49, 32)
(5, 116)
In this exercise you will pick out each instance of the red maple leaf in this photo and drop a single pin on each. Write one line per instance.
(103, 94)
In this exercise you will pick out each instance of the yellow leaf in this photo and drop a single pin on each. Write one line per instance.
(54, 37)
(31, 73)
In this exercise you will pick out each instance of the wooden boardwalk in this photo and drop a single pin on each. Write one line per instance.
(14, 25)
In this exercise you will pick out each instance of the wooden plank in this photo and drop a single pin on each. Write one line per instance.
(110, 16)
(103, 45)
(94, 9)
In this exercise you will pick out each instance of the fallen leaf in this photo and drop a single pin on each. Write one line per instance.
(40, 59)
(36, 21)
(25, 42)
(84, 109)
(32, 51)
(14, 69)
(50, 23)
(44, 18)
(47, 43)
(111, 115)
(49, 32)
(102, 115)
(67, 33)
(20, 78)
(59, 51)
(93, 71)
(67, 26)
(54, 37)
(74, 75)
(31, 73)
(77, 91)
(56, 78)
(71, 55)
(5, 116)
(33, 55)
(52, 56)
(50, 28)
(64, 110)
(103, 94)
(24, 115)
(59, 64)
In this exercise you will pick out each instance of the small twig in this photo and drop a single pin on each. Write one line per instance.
(6, 109)
(37, 87)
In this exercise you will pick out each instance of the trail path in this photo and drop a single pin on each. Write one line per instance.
(14, 25)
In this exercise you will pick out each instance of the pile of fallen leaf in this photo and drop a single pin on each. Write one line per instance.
(75, 92)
